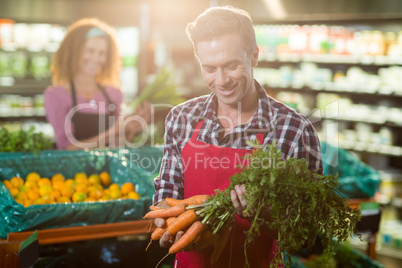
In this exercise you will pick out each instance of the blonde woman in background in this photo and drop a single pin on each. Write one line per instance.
(84, 102)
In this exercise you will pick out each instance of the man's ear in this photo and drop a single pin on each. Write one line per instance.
(255, 55)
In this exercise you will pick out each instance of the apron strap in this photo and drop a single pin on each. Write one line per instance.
(73, 95)
(102, 89)
(197, 129)
(260, 137)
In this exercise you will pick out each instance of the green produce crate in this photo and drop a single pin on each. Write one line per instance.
(15, 217)
(345, 256)
(146, 157)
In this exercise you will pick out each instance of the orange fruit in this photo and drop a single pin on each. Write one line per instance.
(105, 178)
(127, 187)
(115, 193)
(33, 176)
(105, 198)
(27, 203)
(22, 188)
(81, 177)
(67, 191)
(63, 199)
(58, 185)
(8, 184)
(45, 190)
(70, 182)
(95, 193)
(80, 187)
(39, 201)
(95, 186)
(16, 182)
(133, 195)
(33, 195)
(13, 191)
(22, 196)
(57, 177)
(106, 192)
(44, 181)
(49, 199)
(56, 194)
(79, 197)
(114, 186)
(31, 185)
(19, 201)
(89, 199)
(94, 179)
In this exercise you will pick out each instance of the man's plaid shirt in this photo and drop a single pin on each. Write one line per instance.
(294, 134)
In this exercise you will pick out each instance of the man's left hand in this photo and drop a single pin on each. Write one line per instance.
(239, 199)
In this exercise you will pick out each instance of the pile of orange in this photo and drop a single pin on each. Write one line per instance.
(82, 188)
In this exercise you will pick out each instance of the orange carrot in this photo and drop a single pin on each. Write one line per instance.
(194, 200)
(220, 244)
(157, 233)
(154, 208)
(189, 236)
(166, 213)
(183, 221)
(204, 240)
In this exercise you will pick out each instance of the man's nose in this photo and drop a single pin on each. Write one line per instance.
(220, 76)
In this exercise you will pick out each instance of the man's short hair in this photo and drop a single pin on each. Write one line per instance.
(217, 21)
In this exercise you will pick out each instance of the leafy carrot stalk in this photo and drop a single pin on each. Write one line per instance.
(183, 221)
(188, 238)
(194, 200)
(166, 213)
(154, 208)
(220, 244)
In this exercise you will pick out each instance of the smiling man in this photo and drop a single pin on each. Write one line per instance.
(217, 126)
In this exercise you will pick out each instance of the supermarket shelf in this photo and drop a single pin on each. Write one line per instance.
(331, 88)
(25, 87)
(354, 60)
(41, 118)
(384, 123)
(372, 148)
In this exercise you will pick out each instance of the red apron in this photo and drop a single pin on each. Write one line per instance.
(206, 168)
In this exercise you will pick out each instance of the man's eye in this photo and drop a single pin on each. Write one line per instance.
(209, 70)
(231, 67)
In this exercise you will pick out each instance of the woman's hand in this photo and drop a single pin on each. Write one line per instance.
(136, 123)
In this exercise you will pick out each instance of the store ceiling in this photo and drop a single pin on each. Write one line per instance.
(127, 12)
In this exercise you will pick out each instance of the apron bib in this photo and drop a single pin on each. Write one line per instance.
(206, 168)
(87, 125)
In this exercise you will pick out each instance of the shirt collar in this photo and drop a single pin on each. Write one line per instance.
(260, 119)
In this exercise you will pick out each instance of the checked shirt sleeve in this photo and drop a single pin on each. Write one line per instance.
(309, 148)
(170, 182)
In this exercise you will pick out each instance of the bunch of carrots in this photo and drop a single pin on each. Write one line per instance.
(182, 216)
(303, 204)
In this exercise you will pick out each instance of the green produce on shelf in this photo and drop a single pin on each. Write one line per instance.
(23, 140)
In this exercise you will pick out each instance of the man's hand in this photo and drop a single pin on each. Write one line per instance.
(239, 199)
